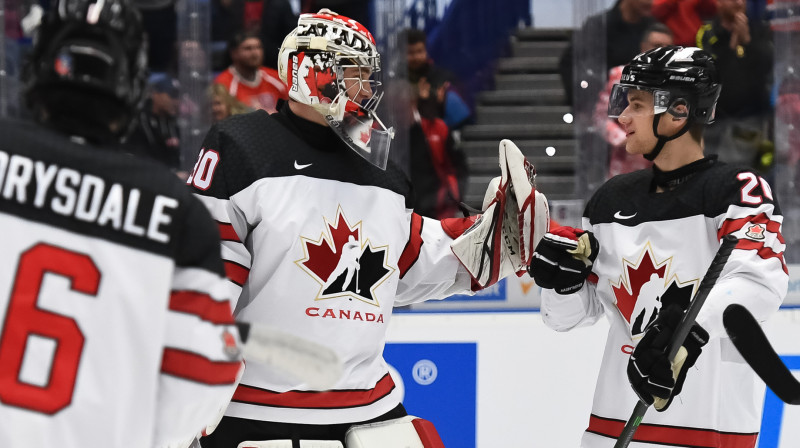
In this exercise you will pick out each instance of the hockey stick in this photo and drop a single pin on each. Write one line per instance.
(748, 337)
(315, 364)
(682, 330)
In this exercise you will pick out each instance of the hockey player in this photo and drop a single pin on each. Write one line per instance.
(662, 226)
(115, 322)
(319, 238)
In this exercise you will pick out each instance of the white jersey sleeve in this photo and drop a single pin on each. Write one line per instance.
(425, 261)
(755, 275)
(201, 360)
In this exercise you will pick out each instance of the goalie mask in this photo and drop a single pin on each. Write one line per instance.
(330, 62)
(674, 76)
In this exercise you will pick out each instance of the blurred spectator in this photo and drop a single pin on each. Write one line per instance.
(226, 19)
(744, 55)
(684, 17)
(658, 35)
(436, 168)
(436, 98)
(162, 32)
(156, 132)
(223, 105)
(254, 85)
(623, 26)
(277, 21)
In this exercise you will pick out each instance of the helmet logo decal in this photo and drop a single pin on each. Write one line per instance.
(63, 64)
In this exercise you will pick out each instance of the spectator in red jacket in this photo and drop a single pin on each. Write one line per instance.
(684, 17)
(247, 79)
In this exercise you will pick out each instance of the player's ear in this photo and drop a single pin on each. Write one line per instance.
(679, 110)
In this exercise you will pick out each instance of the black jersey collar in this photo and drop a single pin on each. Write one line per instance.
(669, 180)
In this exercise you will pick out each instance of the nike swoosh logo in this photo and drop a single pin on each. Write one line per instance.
(619, 215)
(297, 166)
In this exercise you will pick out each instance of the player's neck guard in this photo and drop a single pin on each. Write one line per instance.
(669, 180)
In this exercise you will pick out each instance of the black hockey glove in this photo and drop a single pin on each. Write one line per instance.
(654, 379)
(563, 259)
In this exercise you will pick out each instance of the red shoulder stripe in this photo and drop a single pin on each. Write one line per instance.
(194, 367)
(236, 272)
(732, 225)
(226, 232)
(413, 247)
(763, 251)
(201, 305)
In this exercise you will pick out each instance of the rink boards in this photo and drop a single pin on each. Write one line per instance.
(489, 373)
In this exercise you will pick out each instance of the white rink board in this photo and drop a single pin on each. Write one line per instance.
(535, 386)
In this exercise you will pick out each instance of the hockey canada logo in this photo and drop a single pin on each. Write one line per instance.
(646, 286)
(756, 232)
(344, 262)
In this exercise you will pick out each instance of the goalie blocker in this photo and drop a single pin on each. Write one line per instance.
(515, 216)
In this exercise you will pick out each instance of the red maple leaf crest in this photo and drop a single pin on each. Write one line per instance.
(636, 277)
(321, 257)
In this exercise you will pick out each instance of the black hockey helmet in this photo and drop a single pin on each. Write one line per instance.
(87, 71)
(675, 76)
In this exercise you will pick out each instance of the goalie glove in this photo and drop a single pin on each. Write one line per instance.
(515, 217)
(653, 377)
(563, 259)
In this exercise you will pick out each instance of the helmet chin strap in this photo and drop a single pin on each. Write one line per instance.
(663, 140)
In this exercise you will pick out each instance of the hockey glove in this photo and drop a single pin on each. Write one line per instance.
(563, 259)
(515, 217)
(654, 379)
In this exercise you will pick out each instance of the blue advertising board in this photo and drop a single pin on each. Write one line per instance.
(440, 385)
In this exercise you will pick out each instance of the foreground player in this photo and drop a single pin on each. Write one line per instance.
(319, 237)
(116, 325)
(649, 237)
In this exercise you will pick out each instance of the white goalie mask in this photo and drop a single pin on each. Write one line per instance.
(330, 62)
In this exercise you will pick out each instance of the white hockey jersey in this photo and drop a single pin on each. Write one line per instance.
(322, 244)
(117, 328)
(654, 250)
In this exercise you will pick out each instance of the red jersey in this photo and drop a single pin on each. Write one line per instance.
(261, 93)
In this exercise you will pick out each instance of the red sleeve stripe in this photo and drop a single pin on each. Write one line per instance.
(673, 435)
(733, 225)
(413, 247)
(236, 272)
(227, 233)
(763, 251)
(201, 305)
(331, 399)
(191, 366)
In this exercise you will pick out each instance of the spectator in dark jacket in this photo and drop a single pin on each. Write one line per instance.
(743, 51)
(625, 24)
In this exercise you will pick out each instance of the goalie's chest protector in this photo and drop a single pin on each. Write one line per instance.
(325, 230)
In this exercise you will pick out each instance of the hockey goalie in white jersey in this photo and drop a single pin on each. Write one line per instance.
(319, 238)
(116, 328)
(647, 239)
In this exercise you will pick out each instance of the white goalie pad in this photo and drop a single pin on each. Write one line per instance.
(515, 217)
(403, 432)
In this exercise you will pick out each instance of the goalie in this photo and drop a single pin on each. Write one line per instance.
(319, 241)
